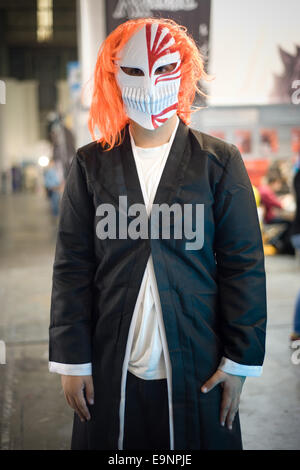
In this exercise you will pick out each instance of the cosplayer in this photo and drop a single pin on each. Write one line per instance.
(153, 341)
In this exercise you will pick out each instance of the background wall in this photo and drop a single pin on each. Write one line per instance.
(227, 120)
(19, 127)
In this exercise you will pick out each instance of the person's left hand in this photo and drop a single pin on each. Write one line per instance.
(232, 388)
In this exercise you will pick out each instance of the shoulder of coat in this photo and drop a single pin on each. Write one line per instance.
(219, 150)
(93, 155)
(90, 149)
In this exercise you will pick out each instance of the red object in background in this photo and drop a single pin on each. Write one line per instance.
(296, 140)
(243, 140)
(256, 169)
(269, 140)
(269, 200)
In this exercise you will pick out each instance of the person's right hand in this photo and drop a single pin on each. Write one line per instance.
(73, 387)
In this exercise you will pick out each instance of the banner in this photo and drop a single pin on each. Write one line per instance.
(255, 52)
(195, 15)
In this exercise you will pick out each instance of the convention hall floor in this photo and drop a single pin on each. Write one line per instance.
(33, 410)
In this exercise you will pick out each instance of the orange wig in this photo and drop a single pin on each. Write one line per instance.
(107, 112)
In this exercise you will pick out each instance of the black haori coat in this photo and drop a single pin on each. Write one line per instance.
(213, 299)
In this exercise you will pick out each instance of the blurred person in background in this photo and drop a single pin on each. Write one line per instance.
(269, 199)
(295, 239)
(16, 178)
(283, 170)
(295, 335)
(295, 232)
(53, 184)
(62, 140)
(275, 213)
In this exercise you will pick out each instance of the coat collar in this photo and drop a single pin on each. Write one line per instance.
(172, 174)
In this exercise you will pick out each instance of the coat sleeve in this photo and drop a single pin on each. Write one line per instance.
(240, 265)
(73, 272)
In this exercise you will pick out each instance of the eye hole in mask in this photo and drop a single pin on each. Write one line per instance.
(165, 69)
(133, 71)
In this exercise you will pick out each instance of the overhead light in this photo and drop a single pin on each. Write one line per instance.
(44, 16)
(43, 161)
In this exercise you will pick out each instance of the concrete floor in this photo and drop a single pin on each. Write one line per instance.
(33, 410)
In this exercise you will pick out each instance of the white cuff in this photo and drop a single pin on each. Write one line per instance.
(231, 367)
(70, 369)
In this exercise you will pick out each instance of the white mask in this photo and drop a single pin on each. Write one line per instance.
(151, 96)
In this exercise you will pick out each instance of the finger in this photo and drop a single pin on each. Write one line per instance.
(81, 408)
(232, 412)
(89, 391)
(76, 409)
(81, 405)
(214, 380)
(68, 400)
(225, 405)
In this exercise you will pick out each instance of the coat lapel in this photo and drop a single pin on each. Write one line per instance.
(132, 183)
(172, 174)
(175, 166)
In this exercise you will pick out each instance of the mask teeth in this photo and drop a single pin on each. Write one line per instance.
(143, 108)
(159, 96)
(124, 95)
(167, 99)
(147, 103)
(164, 99)
(150, 105)
(161, 100)
(140, 99)
(171, 93)
(143, 100)
(129, 96)
(154, 100)
(172, 88)
(134, 98)
(174, 91)
(137, 99)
